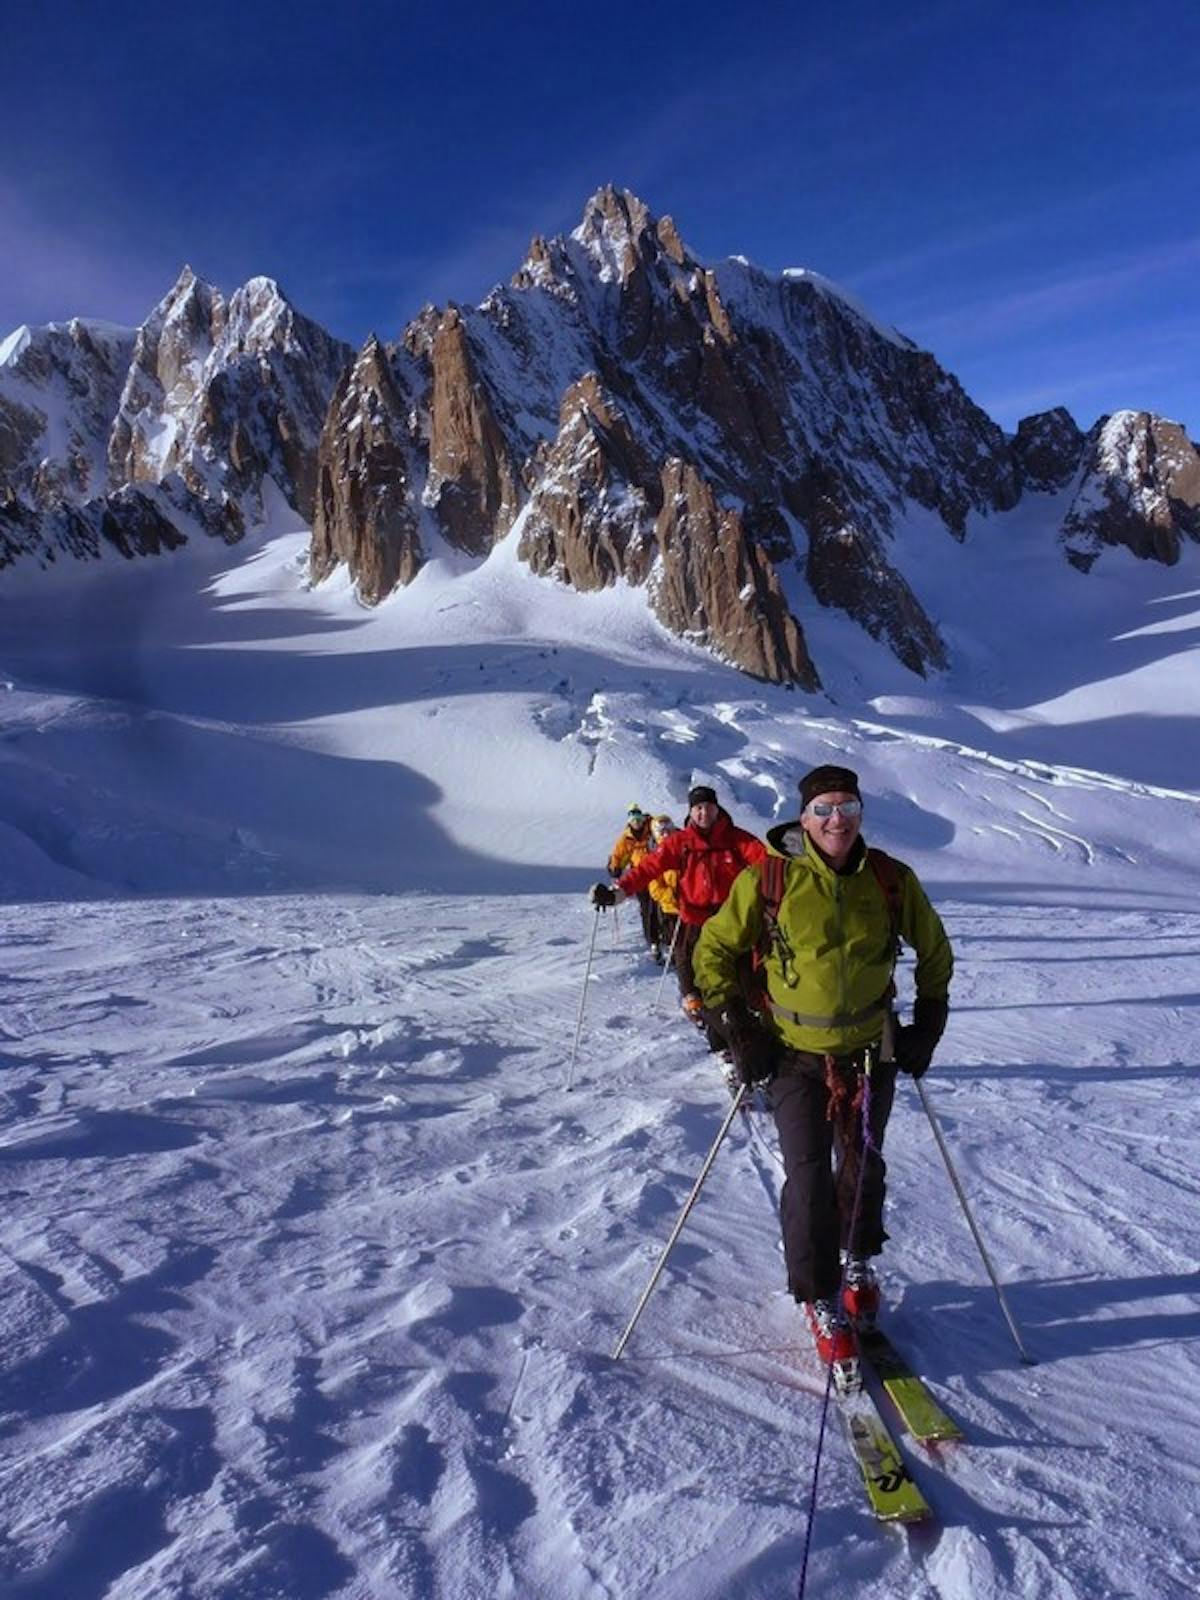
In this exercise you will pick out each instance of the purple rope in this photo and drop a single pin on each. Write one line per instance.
(868, 1144)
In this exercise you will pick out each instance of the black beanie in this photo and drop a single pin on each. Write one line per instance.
(700, 792)
(827, 780)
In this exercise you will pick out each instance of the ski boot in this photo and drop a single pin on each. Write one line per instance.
(834, 1339)
(860, 1292)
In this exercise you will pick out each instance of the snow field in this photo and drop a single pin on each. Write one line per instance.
(317, 1268)
(312, 1268)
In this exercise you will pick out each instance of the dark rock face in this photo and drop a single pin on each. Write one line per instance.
(366, 512)
(717, 587)
(472, 479)
(1139, 487)
(847, 569)
(591, 515)
(1048, 448)
(136, 524)
(21, 428)
(137, 520)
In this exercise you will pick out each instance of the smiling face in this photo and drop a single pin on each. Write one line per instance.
(833, 834)
(703, 814)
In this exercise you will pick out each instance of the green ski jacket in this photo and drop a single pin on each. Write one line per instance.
(829, 970)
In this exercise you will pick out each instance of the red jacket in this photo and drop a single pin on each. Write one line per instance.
(707, 864)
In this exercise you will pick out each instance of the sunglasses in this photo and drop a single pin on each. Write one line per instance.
(841, 808)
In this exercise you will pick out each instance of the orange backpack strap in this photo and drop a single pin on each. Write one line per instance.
(890, 877)
(771, 873)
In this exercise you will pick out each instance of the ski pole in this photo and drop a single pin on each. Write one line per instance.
(1029, 1360)
(734, 1108)
(666, 965)
(587, 973)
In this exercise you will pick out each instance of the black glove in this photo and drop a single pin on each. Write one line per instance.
(754, 1050)
(602, 894)
(916, 1043)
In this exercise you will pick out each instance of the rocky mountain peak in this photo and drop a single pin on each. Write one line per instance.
(63, 350)
(191, 302)
(367, 511)
(261, 318)
(619, 233)
(613, 353)
(206, 400)
(59, 385)
(1048, 448)
(1139, 487)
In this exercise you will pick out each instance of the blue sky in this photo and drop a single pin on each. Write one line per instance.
(1013, 185)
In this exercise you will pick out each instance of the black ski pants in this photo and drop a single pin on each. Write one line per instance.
(667, 923)
(820, 1134)
(685, 948)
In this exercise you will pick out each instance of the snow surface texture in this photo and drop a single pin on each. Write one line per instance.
(312, 1266)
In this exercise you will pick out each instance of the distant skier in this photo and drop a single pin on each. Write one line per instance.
(826, 913)
(664, 892)
(708, 853)
(634, 842)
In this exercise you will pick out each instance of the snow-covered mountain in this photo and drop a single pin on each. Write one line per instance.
(748, 447)
(749, 450)
(136, 439)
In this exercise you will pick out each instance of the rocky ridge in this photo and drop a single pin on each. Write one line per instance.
(134, 438)
(619, 403)
(629, 404)
(1138, 485)
(744, 446)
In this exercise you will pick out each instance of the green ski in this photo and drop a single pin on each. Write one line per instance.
(893, 1495)
(920, 1412)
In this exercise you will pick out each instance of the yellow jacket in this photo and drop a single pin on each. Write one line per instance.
(829, 969)
(630, 847)
(664, 891)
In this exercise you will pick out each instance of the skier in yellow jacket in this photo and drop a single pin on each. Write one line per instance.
(664, 891)
(633, 842)
(828, 947)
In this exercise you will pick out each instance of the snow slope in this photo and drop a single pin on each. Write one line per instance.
(312, 1265)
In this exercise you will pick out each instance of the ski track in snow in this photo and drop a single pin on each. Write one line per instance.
(312, 1266)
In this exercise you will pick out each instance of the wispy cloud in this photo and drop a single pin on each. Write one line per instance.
(987, 318)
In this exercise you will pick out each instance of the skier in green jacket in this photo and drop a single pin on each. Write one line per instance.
(828, 947)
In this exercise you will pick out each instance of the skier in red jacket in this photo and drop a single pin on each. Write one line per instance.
(708, 853)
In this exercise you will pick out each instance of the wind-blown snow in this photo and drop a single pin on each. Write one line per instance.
(12, 346)
(311, 1264)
